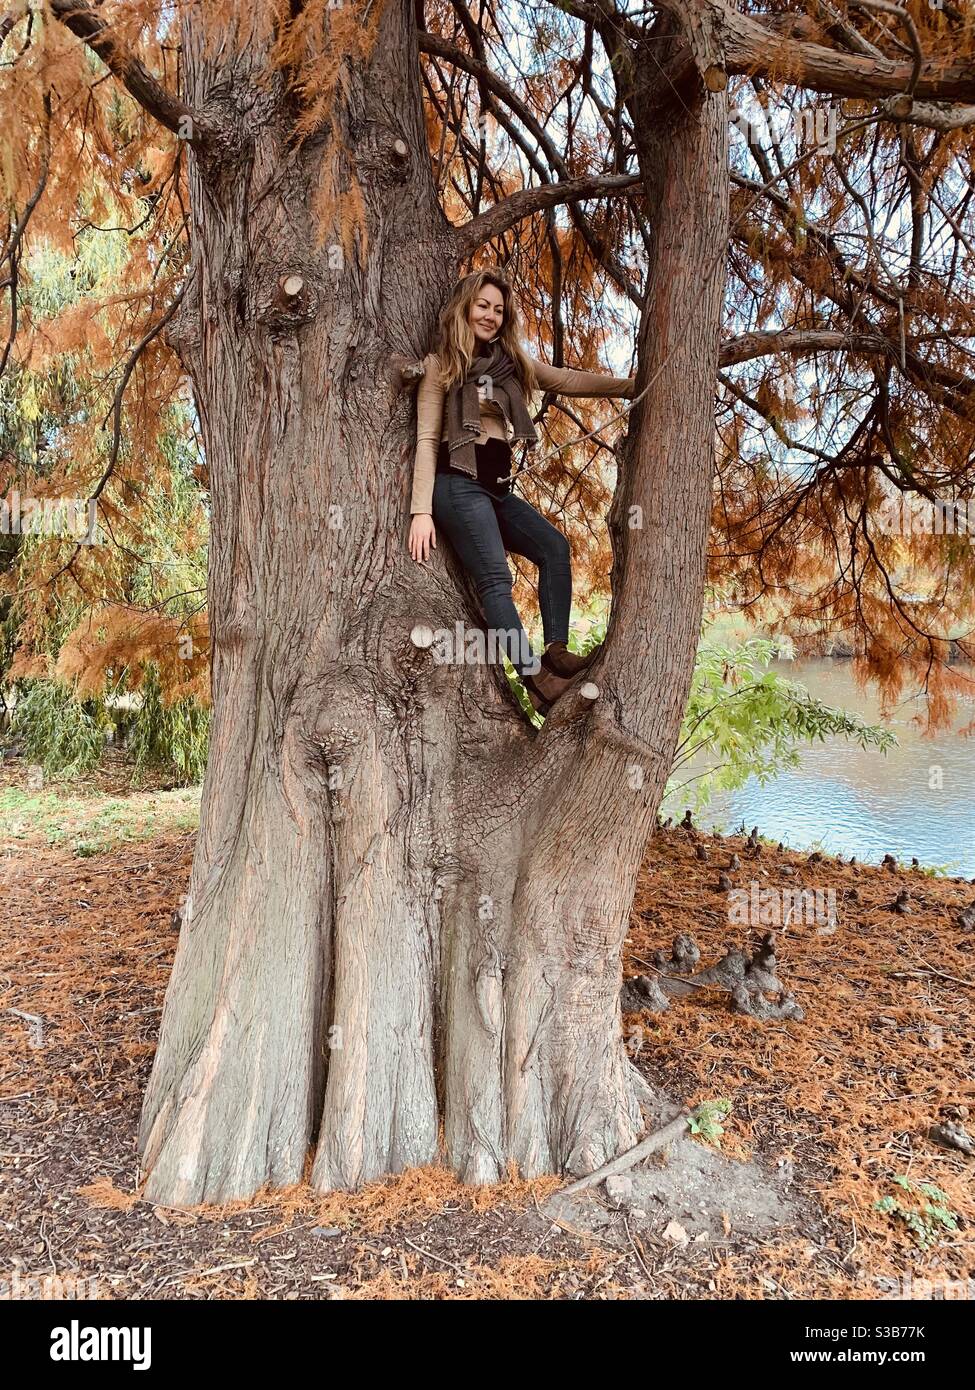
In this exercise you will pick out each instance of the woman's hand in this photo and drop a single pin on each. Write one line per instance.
(422, 536)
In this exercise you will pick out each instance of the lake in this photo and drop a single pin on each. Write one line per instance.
(918, 800)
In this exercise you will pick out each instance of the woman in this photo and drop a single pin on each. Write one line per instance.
(471, 408)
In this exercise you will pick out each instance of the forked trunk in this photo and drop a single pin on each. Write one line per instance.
(402, 941)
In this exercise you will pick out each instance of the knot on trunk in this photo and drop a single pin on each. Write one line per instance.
(220, 131)
(336, 744)
(404, 373)
(286, 300)
(382, 155)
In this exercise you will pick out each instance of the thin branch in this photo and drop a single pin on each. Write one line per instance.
(501, 99)
(11, 250)
(659, 1139)
(116, 412)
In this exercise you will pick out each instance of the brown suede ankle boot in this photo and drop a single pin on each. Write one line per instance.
(558, 659)
(545, 687)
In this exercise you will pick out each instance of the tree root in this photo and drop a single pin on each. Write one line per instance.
(643, 992)
(751, 981)
(757, 1006)
(684, 956)
(951, 1135)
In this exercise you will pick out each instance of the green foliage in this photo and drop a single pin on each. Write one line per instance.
(170, 575)
(35, 407)
(745, 720)
(927, 1218)
(8, 618)
(521, 694)
(171, 737)
(706, 1120)
(742, 719)
(83, 821)
(593, 638)
(64, 736)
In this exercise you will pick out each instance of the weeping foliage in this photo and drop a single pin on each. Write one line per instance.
(82, 624)
(57, 732)
(170, 735)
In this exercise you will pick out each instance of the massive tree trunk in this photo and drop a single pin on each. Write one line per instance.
(402, 938)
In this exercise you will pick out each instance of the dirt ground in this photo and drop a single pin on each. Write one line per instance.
(829, 1115)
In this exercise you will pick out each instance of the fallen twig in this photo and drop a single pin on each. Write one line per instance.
(432, 1256)
(657, 1140)
(930, 970)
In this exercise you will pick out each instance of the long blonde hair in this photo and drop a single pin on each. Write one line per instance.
(456, 342)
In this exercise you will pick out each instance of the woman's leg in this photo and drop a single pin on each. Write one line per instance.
(464, 512)
(526, 532)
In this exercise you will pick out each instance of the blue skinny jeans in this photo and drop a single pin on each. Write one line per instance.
(481, 526)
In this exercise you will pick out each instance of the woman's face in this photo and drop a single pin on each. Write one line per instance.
(486, 314)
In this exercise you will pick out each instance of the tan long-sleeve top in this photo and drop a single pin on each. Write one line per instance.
(431, 426)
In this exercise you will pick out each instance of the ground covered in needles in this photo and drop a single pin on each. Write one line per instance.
(829, 1175)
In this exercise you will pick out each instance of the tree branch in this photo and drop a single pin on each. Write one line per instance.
(497, 219)
(11, 249)
(438, 47)
(763, 50)
(757, 49)
(701, 25)
(501, 96)
(168, 109)
(801, 340)
(926, 113)
(116, 413)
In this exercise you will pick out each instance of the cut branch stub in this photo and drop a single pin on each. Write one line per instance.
(401, 152)
(284, 301)
(702, 35)
(421, 635)
(290, 287)
(404, 372)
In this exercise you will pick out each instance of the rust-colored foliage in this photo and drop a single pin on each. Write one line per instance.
(852, 264)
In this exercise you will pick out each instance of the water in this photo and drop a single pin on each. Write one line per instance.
(917, 800)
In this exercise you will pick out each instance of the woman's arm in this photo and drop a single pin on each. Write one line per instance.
(429, 423)
(567, 381)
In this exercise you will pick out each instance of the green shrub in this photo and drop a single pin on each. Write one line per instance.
(66, 737)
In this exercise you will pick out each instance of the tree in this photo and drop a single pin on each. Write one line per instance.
(402, 934)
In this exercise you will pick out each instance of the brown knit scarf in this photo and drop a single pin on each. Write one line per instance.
(495, 371)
